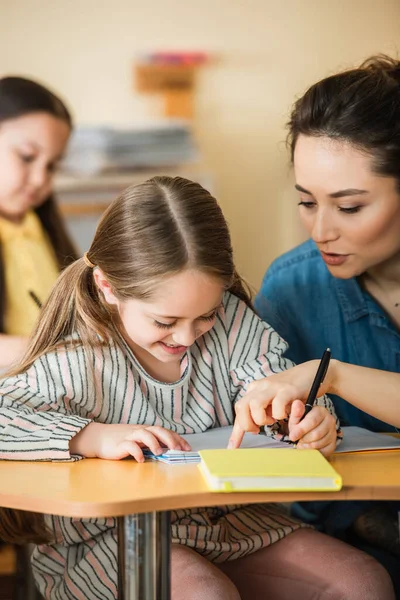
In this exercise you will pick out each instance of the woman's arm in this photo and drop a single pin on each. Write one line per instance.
(373, 391)
(12, 348)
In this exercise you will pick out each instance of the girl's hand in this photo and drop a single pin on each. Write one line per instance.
(317, 430)
(115, 442)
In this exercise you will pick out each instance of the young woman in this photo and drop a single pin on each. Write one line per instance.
(341, 289)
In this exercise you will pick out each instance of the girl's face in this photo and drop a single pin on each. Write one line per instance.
(351, 213)
(183, 308)
(30, 149)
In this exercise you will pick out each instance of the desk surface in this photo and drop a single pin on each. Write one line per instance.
(98, 488)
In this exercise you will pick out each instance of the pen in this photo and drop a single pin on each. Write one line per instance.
(35, 299)
(319, 378)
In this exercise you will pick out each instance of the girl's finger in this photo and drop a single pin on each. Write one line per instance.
(172, 440)
(296, 413)
(282, 403)
(131, 448)
(244, 418)
(236, 436)
(146, 438)
(259, 415)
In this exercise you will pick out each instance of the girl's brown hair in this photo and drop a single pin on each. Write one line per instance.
(152, 231)
(19, 97)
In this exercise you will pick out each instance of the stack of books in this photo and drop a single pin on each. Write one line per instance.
(96, 149)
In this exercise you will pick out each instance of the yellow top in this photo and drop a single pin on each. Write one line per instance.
(30, 265)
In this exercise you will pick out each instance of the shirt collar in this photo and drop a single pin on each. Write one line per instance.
(29, 227)
(352, 299)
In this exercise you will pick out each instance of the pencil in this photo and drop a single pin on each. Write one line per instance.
(35, 299)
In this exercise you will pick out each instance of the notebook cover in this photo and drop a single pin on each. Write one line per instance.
(250, 464)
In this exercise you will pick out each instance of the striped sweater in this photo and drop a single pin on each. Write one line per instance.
(44, 407)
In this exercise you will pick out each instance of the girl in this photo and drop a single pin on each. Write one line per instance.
(344, 135)
(149, 336)
(34, 246)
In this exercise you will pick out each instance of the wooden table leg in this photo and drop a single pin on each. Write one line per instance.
(144, 553)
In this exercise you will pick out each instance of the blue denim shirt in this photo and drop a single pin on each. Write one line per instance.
(312, 311)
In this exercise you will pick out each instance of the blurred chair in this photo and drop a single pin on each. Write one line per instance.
(16, 579)
(25, 588)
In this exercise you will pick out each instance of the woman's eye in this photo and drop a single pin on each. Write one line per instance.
(306, 204)
(163, 325)
(350, 210)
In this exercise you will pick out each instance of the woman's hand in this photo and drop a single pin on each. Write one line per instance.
(115, 442)
(316, 431)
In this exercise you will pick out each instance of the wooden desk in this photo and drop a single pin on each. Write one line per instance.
(143, 494)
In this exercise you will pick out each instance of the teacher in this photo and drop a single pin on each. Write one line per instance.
(341, 288)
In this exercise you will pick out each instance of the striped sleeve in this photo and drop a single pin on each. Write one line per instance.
(256, 350)
(35, 420)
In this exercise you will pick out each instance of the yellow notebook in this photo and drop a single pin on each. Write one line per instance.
(263, 469)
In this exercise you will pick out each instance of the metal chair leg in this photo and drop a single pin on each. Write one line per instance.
(25, 588)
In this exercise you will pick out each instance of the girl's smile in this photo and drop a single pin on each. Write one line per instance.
(159, 331)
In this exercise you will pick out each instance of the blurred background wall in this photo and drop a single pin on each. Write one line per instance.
(267, 52)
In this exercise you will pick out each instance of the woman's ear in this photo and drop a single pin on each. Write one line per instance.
(104, 287)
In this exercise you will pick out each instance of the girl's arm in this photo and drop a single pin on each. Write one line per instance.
(12, 348)
(30, 430)
(257, 353)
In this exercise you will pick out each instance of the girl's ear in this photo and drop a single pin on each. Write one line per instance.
(105, 287)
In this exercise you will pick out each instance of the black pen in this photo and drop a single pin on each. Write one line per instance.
(35, 299)
(319, 378)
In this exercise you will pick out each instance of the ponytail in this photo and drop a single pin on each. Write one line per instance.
(23, 527)
(74, 306)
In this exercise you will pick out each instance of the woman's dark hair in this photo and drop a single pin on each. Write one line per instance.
(19, 97)
(359, 106)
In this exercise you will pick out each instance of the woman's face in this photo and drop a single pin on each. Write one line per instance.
(30, 149)
(351, 213)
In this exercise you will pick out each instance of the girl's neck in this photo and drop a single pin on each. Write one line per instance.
(14, 219)
(162, 372)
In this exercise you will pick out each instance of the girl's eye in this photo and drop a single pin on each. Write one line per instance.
(163, 325)
(306, 204)
(350, 210)
(209, 317)
(27, 158)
